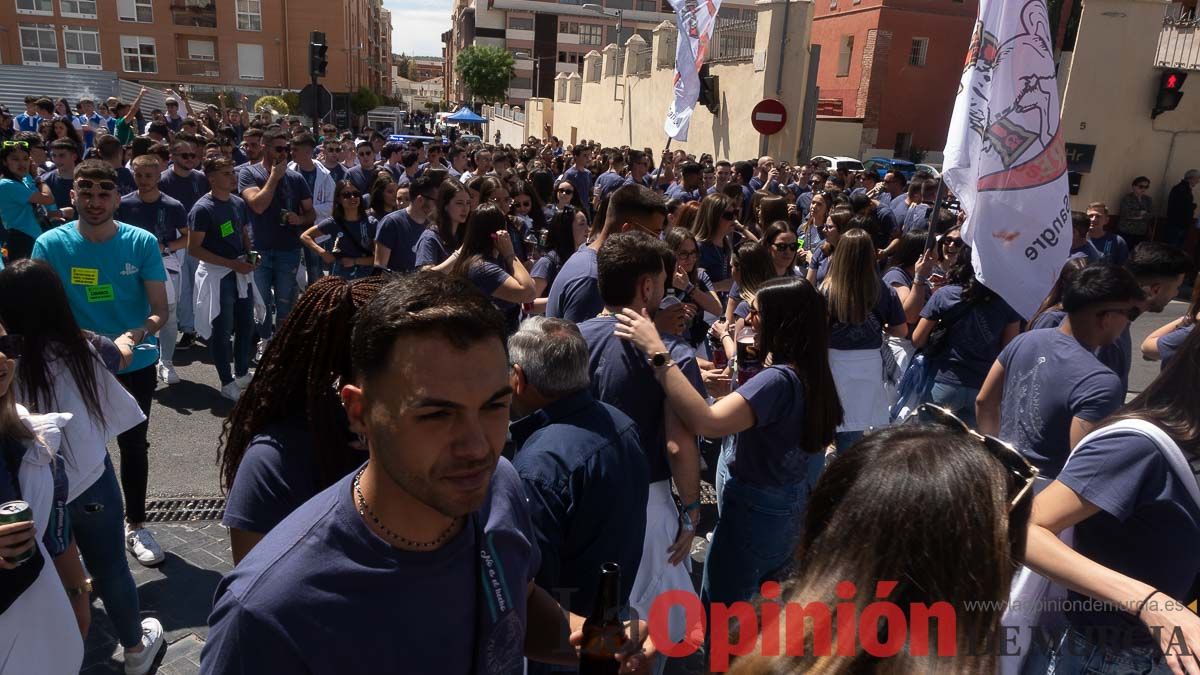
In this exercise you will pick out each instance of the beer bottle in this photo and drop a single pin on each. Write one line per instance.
(603, 633)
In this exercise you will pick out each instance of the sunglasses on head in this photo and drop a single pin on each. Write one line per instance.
(16, 144)
(11, 346)
(88, 184)
(1021, 473)
(785, 247)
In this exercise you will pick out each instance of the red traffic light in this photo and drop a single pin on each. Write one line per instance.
(1172, 81)
(1170, 91)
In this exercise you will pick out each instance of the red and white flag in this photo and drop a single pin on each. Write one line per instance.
(695, 20)
(1005, 158)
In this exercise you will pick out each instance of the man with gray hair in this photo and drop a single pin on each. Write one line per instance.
(1181, 209)
(586, 477)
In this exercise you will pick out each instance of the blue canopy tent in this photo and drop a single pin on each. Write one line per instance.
(465, 115)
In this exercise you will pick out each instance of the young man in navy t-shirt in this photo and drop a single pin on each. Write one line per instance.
(1047, 390)
(423, 559)
(280, 206)
(183, 182)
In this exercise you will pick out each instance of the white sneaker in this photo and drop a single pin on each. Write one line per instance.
(243, 381)
(167, 374)
(141, 544)
(231, 391)
(153, 643)
(262, 348)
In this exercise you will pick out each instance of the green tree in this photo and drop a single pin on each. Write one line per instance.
(486, 71)
(404, 66)
(275, 102)
(292, 99)
(363, 100)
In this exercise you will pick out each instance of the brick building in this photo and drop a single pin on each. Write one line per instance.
(895, 64)
(251, 46)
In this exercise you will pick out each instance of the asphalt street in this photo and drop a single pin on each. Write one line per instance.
(186, 418)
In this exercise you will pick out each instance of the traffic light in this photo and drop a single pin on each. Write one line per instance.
(316, 54)
(1170, 91)
(710, 91)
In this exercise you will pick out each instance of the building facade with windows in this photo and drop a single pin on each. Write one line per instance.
(243, 45)
(548, 37)
(895, 64)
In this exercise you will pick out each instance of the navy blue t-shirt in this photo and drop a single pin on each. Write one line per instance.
(819, 261)
(187, 190)
(575, 293)
(125, 182)
(162, 218)
(1049, 378)
(1118, 356)
(1171, 342)
(429, 249)
(869, 334)
(622, 377)
(547, 268)
(266, 230)
(1148, 526)
(713, 259)
(399, 232)
(460, 609)
(352, 239)
(488, 276)
(224, 222)
(1112, 248)
(1086, 250)
(59, 187)
(278, 473)
(769, 453)
(974, 340)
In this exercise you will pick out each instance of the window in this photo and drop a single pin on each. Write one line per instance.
(250, 62)
(35, 7)
(81, 9)
(200, 13)
(918, 51)
(520, 23)
(38, 45)
(202, 50)
(138, 54)
(845, 52)
(520, 83)
(589, 34)
(568, 28)
(141, 11)
(82, 47)
(249, 14)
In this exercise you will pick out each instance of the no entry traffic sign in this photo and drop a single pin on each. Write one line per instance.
(768, 117)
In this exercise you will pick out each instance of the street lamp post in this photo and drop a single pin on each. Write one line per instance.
(620, 15)
(537, 64)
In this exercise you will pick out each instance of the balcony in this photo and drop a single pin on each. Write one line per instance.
(1179, 42)
(197, 13)
(197, 68)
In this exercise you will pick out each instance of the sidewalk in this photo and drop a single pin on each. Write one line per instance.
(178, 593)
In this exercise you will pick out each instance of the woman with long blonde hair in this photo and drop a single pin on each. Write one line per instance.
(861, 309)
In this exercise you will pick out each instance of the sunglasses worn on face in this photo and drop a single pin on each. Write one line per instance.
(785, 247)
(1021, 473)
(350, 195)
(11, 345)
(88, 184)
(952, 241)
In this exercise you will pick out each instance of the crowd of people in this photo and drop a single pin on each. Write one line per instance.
(467, 377)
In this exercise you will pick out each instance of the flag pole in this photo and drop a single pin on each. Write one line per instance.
(658, 169)
(931, 235)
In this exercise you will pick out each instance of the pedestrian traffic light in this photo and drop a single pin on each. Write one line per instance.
(710, 91)
(1170, 91)
(316, 54)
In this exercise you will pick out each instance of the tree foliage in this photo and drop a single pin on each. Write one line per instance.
(486, 71)
(404, 66)
(274, 102)
(363, 100)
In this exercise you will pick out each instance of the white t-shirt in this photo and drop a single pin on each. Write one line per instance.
(85, 440)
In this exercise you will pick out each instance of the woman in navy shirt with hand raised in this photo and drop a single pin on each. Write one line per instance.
(784, 418)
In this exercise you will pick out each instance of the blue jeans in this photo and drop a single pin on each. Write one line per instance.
(957, 398)
(236, 318)
(98, 523)
(187, 295)
(313, 266)
(722, 472)
(1076, 652)
(755, 536)
(275, 278)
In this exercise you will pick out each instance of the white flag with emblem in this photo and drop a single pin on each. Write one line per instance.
(1005, 158)
(695, 20)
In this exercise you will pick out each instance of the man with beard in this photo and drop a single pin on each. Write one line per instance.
(426, 553)
(115, 281)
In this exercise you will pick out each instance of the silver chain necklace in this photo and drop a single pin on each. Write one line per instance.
(365, 511)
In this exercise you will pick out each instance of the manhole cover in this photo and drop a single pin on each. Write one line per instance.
(184, 510)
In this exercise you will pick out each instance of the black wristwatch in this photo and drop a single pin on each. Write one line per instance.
(661, 360)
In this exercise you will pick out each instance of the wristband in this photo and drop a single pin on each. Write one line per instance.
(689, 507)
(1142, 604)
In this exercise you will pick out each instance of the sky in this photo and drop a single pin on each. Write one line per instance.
(417, 25)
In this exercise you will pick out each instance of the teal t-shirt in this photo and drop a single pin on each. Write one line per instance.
(104, 281)
(15, 210)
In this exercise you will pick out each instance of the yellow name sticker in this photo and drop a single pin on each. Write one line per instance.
(102, 293)
(84, 276)
(226, 228)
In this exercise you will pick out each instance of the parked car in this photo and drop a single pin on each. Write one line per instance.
(935, 169)
(834, 162)
(470, 138)
(882, 165)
